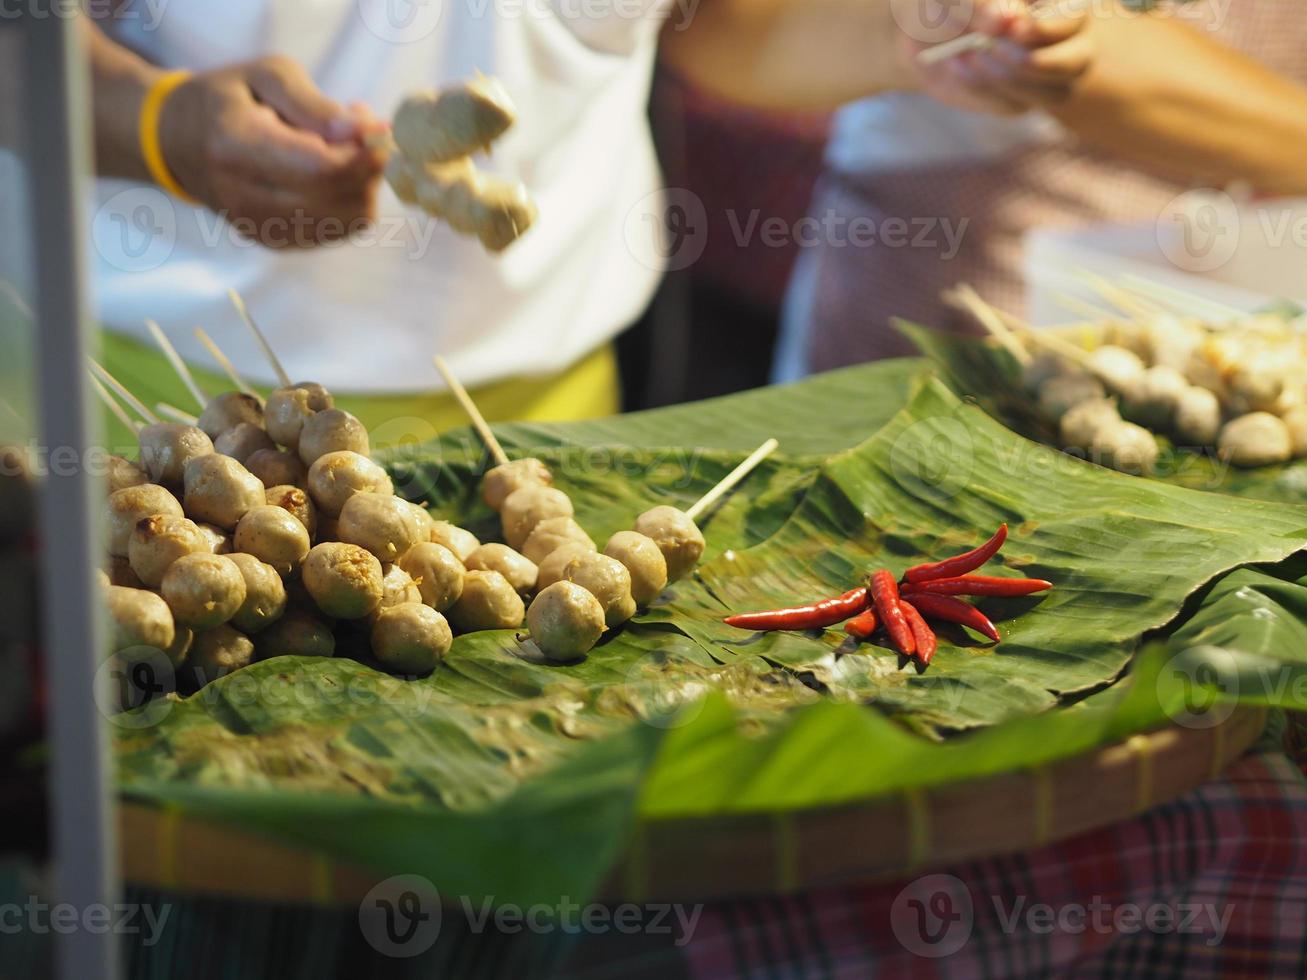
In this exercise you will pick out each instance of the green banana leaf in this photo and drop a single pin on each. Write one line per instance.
(505, 777)
(989, 375)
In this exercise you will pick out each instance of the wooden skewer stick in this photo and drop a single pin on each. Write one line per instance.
(969, 300)
(1186, 303)
(178, 365)
(1122, 300)
(112, 405)
(244, 314)
(473, 413)
(175, 413)
(731, 479)
(121, 390)
(1074, 304)
(1043, 338)
(227, 366)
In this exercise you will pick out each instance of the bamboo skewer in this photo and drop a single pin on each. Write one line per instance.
(121, 390)
(1118, 297)
(1074, 304)
(178, 365)
(1185, 303)
(729, 482)
(174, 413)
(969, 300)
(473, 413)
(111, 403)
(244, 314)
(996, 320)
(227, 366)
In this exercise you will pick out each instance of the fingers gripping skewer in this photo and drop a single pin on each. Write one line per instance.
(473, 413)
(244, 314)
(732, 479)
(175, 413)
(111, 403)
(228, 368)
(966, 298)
(178, 365)
(121, 390)
(978, 40)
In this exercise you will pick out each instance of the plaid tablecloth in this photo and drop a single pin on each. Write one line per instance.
(1213, 884)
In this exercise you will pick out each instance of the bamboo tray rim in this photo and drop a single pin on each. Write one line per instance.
(749, 853)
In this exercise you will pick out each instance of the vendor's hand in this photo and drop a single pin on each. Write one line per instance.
(260, 144)
(1033, 61)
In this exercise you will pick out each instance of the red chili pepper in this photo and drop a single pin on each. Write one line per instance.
(863, 625)
(981, 585)
(954, 611)
(961, 564)
(927, 642)
(885, 595)
(816, 615)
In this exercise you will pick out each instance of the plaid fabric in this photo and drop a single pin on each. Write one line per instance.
(1213, 884)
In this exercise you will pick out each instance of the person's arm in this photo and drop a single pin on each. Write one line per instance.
(820, 54)
(1166, 95)
(785, 54)
(256, 142)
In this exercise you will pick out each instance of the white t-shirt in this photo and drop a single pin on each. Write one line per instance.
(367, 316)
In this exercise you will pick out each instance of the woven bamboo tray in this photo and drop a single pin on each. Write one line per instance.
(701, 859)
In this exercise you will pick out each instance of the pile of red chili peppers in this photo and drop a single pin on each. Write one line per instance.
(926, 592)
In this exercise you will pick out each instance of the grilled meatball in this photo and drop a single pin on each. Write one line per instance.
(411, 638)
(274, 536)
(344, 580)
(335, 477)
(488, 602)
(438, 573)
(131, 504)
(220, 491)
(166, 448)
(203, 591)
(677, 537)
(566, 621)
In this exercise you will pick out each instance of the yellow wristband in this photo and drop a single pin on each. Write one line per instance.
(148, 131)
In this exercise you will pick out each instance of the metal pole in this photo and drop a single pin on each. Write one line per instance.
(83, 828)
